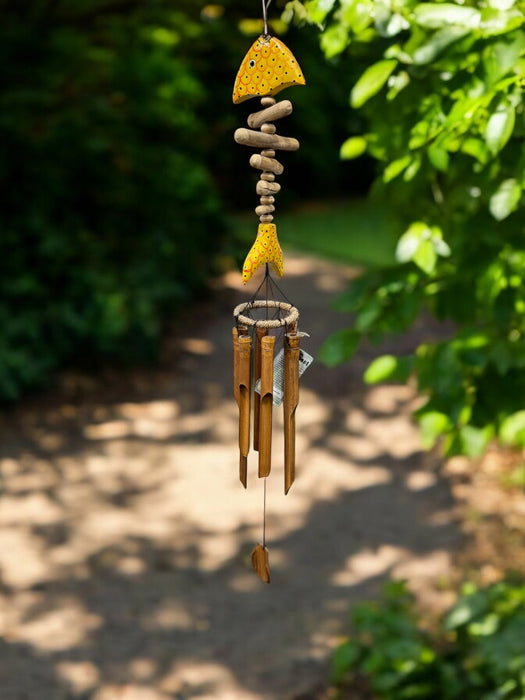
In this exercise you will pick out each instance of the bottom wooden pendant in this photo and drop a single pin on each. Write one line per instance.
(261, 563)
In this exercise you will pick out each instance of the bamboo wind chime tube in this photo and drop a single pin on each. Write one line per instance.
(260, 333)
(291, 399)
(266, 401)
(243, 396)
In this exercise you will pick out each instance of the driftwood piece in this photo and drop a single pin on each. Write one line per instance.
(264, 209)
(271, 114)
(244, 401)
(261, 563)
(266, 401)
(268, 128)
(266, 199)
(291, 399)
(268, 101)
(260, 333)
(267, 188)
(270, 165)
(256, 139)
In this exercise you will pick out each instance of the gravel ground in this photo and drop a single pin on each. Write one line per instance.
(125, 533)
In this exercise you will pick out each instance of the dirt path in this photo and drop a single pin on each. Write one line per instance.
(125, 533)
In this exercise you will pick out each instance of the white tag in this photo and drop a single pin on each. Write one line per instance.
(305, 360)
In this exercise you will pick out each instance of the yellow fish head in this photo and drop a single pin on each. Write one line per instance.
(268, 67)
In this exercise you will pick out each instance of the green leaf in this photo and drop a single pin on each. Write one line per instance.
(318, 9)
(334, 40)
(396, 167)
(474, 441)
(436, 15)
(339, 347)
(428, 52)
(422, 244)
(381, 369)
(500, 127)
(500, 58)
(506, 199)
(343, 659)
(438, 157)
(397, 83)
(389, 368)
(432, 424)
(425, 256)
(353, 147)
(512, 430)
(371, 82)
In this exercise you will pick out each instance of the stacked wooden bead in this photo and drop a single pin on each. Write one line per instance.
(267, 139)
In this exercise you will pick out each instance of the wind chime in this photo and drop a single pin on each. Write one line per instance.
(262, 378)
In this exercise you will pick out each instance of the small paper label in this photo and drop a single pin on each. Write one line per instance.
(305, 360)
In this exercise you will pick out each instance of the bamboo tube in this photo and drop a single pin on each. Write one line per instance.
(260, 562)
(235, 338)
(244, 400)
(270, 114)
(265, 415)
(291, 399)
(260, 333)
(256, 139)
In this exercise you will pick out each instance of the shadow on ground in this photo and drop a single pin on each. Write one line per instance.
(126, 535)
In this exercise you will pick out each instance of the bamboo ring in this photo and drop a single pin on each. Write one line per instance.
(290, 319)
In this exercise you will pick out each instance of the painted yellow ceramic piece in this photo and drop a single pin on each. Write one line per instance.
(268, 67)
(266, 249)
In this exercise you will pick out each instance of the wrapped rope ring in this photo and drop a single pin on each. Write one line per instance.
(289, 320)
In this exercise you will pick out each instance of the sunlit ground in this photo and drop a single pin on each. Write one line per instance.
(126, 534)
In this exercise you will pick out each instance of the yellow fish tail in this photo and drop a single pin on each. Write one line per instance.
(266, 249)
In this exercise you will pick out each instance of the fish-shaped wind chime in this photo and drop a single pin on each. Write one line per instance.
(261, 377)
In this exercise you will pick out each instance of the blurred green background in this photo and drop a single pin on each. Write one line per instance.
(120, 174)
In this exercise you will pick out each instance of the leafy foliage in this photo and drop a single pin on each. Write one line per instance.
(441, 88)
(477, 653)
(108, 208)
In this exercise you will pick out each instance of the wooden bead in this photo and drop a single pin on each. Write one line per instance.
(266, 219)
(256, 139)
(268, 153)
(265, 188)
(270, 114)
(269, 177)
(268, 128)
(267, 101)
(264, 209)
(265, 199)
(269, 164)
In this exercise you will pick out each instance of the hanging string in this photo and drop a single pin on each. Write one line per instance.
(265, 6)
(264, 515)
